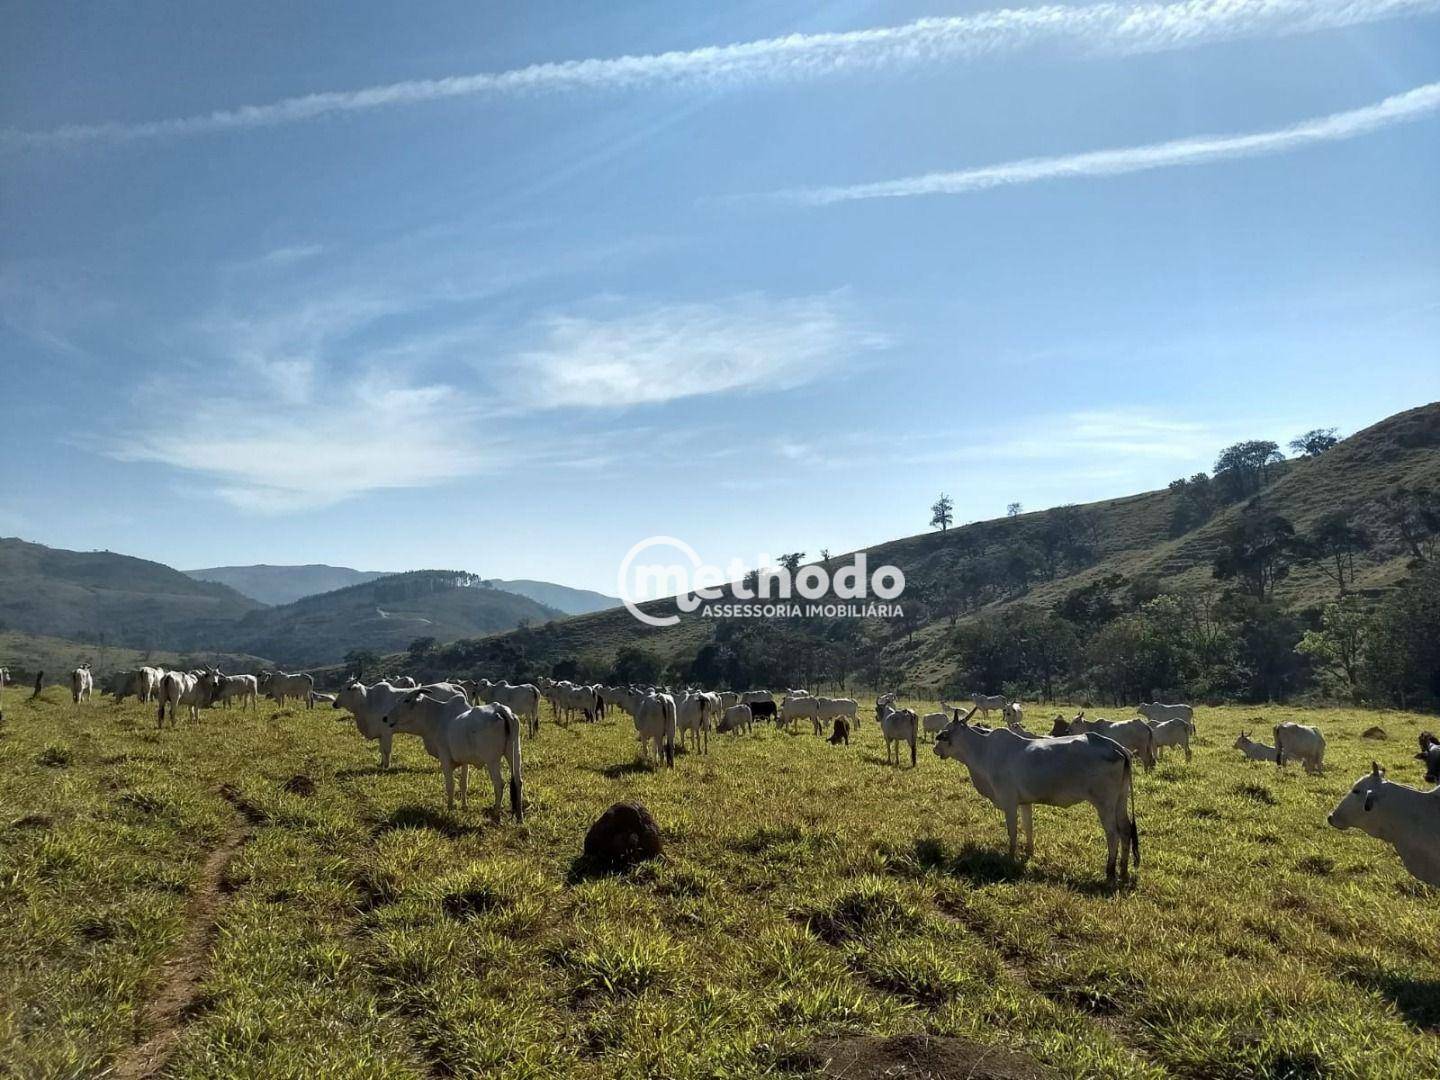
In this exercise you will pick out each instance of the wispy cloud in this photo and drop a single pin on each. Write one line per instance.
(374, 435)
(671, 351)
(1416, 104)
(1105, 29)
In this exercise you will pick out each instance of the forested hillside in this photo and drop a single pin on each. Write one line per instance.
(1209, 587)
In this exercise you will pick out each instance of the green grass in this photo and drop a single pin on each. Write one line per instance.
(807, 891)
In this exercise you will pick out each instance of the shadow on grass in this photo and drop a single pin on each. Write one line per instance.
(992, 866)
(632, 767)
(414, 816)
(1418, 999)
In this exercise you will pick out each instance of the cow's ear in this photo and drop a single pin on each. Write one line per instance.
(1369, 801)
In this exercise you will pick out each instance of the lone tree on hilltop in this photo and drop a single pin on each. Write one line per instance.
(1314, 442)
(942, 513)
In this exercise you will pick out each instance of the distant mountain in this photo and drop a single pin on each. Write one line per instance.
(99, 596)
(561, 597)
(384, 615)
(276, 585)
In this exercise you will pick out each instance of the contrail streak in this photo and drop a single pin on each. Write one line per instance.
(1416, 104)
(1097, 29)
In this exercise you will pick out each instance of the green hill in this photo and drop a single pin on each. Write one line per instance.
(1152, 540)
(102, 597)
(285, 584)
(384, 616)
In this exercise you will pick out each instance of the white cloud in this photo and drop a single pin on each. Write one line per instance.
(1416, 104)
(373, 435)
(1105, 28)
(667, 352)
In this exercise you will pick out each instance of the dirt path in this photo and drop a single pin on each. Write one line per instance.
(164, 1015)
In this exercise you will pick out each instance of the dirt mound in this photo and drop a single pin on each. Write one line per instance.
(623, 835)
(921, 1057)
(301, 785)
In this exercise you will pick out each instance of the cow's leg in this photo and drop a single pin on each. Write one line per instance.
(465, 787)
(387, 738)
(1187, 751)
(494, 768)
(1011, 822)
(449, 770)
(1027, 821)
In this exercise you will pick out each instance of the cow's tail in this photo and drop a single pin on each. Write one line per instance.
(512, 748)
(1132, 822)
(669, 710)
(1189, 725)
(913, 737)
(160, 715)
(1279, 749)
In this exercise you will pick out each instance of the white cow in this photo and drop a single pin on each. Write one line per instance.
(1174, 732)
(1014, 715)
(404, 682)
(987, 702)
(81, 683)
(1303, 743)
(142, 683)
(934, 723)
(456, 733)
(897, 726)
(793, 709)
(280, 687)
(729, 699)
(1015, 773)
(369, 705)
(1134, 735)
(522, 699)
(655, 721)
(736, 718)
(1404, 817)
(245, 688)
(1255, 751)
(832, 708)
(1156, 712)
(194, 689)
(692, 717)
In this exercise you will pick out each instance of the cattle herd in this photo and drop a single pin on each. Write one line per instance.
(464, 722)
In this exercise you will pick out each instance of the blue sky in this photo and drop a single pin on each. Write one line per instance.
(528, 283)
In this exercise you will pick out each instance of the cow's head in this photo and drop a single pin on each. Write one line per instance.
(1351, 811)
(402, 713)
(1060, 727)
(1242, 740)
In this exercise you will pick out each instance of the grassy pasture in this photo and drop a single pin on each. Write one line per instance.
(350, 927)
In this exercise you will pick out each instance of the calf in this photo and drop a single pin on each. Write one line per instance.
(81, 683)
(455, 733)
(1175, 732)
(736, 718)
(1430, 755)
(1403, 817)
(1253, 750)
(841, 734)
